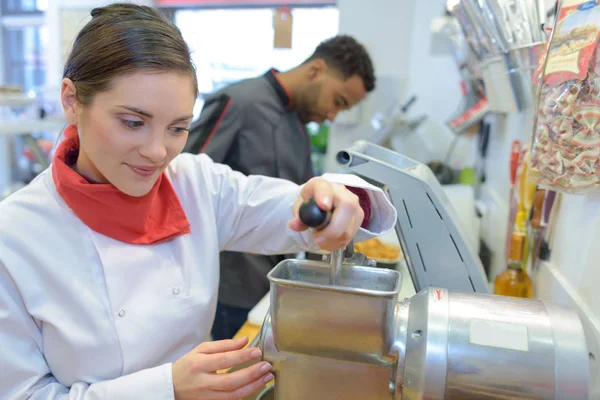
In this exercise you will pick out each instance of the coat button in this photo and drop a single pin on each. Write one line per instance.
(121, 313)
(176, 291)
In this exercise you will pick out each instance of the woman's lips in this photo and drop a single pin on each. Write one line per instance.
(143, 170)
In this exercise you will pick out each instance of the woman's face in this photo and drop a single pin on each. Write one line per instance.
(130, 133)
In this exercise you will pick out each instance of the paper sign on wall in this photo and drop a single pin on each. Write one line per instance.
(282, 28)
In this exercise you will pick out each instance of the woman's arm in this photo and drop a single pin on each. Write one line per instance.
(257, 214)
(253, 213)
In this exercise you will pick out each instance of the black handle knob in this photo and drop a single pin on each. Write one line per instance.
(312, 216)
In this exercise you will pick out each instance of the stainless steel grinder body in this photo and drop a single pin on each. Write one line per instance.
(356, 341)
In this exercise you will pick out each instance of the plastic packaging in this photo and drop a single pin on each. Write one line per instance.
(566, 143)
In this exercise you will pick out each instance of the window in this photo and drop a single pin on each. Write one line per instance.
(233, 44)
(25, 56)
(24, 43)
(10, 7)
(24, 64)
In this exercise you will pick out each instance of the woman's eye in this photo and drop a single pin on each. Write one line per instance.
(178, 130)
(132, 124)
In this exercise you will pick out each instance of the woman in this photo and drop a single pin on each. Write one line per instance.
(109, 259)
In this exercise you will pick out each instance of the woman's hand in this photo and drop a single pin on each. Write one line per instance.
(346, 218)
(195, 374)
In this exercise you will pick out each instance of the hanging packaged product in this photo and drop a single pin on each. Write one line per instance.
(566, 142)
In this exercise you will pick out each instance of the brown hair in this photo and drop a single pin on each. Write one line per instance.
(124, 38)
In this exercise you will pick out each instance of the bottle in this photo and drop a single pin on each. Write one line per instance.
(514, 281)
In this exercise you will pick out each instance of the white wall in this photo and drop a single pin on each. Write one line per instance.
(385, 28)
(433, 76)
(398, 37)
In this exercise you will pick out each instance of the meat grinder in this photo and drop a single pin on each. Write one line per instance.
(340, 331)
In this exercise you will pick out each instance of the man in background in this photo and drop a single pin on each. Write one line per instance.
(257, 126)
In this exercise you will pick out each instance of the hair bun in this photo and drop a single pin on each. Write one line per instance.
(98, 11)
(121, 10)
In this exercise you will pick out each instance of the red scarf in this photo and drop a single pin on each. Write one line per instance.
(153, 218)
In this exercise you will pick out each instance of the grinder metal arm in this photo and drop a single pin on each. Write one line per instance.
(428, 229)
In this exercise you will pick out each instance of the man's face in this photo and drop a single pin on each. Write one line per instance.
(327, 93)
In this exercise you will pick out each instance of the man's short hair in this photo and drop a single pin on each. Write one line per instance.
(347, 56)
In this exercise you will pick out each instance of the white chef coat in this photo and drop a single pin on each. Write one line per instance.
(84, 316)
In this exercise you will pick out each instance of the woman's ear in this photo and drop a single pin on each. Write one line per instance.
(68, 97)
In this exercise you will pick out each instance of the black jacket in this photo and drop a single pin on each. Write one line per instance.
(252, 127)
